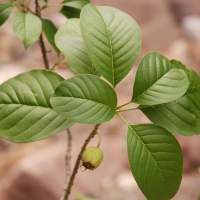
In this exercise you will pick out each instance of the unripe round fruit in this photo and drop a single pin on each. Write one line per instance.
(92, 157)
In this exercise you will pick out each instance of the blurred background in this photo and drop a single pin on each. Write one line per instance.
(35, 171)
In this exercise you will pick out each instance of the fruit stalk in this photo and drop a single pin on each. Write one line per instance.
(78, 161)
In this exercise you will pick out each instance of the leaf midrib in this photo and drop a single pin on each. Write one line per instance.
(152, 156)
(152, 85)
(110, 44)
(109, 106)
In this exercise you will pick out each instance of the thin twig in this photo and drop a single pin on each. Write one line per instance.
(99, 140)
(127, 109)
(78, 161)
(67, 161)
(125, 104)
(41, 39)
(69, 179)
(68, 131)
(44, 52)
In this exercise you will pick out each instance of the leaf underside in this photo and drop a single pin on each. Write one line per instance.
(156, 160)
(157, 82)
(27, 27)
(26, 114)
(113, 40)
(180, 116)
(85, 99)
(69, 41)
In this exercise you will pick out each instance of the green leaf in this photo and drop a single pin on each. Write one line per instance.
(85, 99)
(157, 82)
(5, 10)
(69, 41)
(27, 27)
(193, 77)
(113, 40)
(72, 8)
(183, 115)
(26, 114)
(49, 30)
(156, 161)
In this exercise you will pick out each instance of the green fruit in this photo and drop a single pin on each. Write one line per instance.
(92, 157)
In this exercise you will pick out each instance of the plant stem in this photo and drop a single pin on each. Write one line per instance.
(67, 161)
(125, 104)
(78, 161)
(69, 181)
(41, 39)
(128, 109)
(99, 140)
